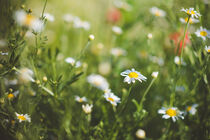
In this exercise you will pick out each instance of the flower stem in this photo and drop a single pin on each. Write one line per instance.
(45, 4)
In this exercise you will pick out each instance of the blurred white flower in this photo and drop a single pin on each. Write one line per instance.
(22, 117)
(68, 18)
(49, 17)
(132, 75)
(192, 109)
(73, 62)
(87, 108)
(207, 48)
(118, 52)
(117, 30)
(122, 5)
(203, 33)
(191, 12)
(98, 81)
(80, 99)
(191, 20)
(26, 75)
(110, 97)
(178, 62)
(155, 74)
(157, 60)
(140, 133)
(91, 37)
(149, 35)
(104, 68)
(171, 112)
(157, 12)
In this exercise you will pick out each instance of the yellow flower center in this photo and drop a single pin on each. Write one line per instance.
(190, 20)
(10, 96)
(29, 19)
(21, 118)
(190, 12)
(157, 13)
(80, 100)
(111, 99)
(189, 108)
(133, 75)
(203, 33)
(97, 83)
(171, 112)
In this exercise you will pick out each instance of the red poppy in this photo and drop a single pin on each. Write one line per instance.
(113, 15)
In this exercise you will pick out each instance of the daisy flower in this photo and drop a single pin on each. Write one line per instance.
(22, 117)
(140, 133)
(207, 48)
(110, 97)
(87, 108)
(24, 19)
(157, 12)
(203, 33)
(117, 30)
(155, 74)
(118, 52)
(80, 99)
(171, 112)
(49, 17)
(191, 12)
(12, 95)
(191, 20)
(73, 62)
(149, 35)
(178, 62)
(192, 109)
(132, 75)
(98, 81)
(26, 75)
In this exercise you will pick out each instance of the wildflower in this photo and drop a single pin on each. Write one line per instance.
(98, 81)
(140, 133)
(132, 75)
(68, 18)
(73, 62)
(191, 20)
(44, 78)
(191, 12)
(22, 117)
(178, 62)
(122, 5)
(118, 52)
(26, 75)
(80, 99)
(192, 109)
(87, 108)
(113, 99)
(117, 30)
(49, 17)
(24, 19)
(104, 68)
(155, 74)
(91, 37)
(113, 15)
(171, 112)
(149, 35)
(203, 33)
(157, 12)
(10, 95)
(207, 48)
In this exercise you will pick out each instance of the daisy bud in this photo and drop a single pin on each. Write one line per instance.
(155, 74)
(149, 36)
(37, 82)
(44, 79)
(140, 134)
(91, 37)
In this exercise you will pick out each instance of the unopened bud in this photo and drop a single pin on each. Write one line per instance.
(91, 37)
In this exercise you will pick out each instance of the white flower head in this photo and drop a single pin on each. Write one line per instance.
(12, 95)
(207, 48)
(87, 108)
(49, 17)
(155, 74)
(122, 5)
(140, 133)
(191, 20)
(192, 109)
(117, 30)
(22, 117)
(132, 75)
(68, 18)
(191, 12)
(26, 75)
(171, 112)
(178, 62)
(118, 52)
(98, 81)
(73, 62)
(80, 99)
(149, 35)
(157, 12)
(110, 97)
(104, 68)
(203, 33)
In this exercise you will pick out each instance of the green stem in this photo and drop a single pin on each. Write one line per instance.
(45, 4)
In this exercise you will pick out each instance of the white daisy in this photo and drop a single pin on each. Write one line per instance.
(117, 30)
(203, 33)
(26, 75)
(73, 62)
(178, 62)
(22, 117)
(140, 133)
(118, 52)
(80, 99)
(110, 97)
(149, 35)
(12, 95)
(68, 18)
(87, 108)
(98, 81)
(192, 109)
(191, 12)
(157, 12)
(191, 20)
(49, 17)
(207, 48)
(132, 75)
(155, 74)
(171, 112)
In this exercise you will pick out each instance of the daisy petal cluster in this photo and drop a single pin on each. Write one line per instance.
(191, 12)
(117, 30)
(12, 95)
(132, 75)
(178, 62)
(73, 62)
(87, 108)
(24, 19)
(22, 117)
(155, 74)
(191, 20)
(192, 109)
(171, 112)
(157, 12)
(49, 17)
(98, 81)
(203, 33)
(207, 48)
(110, 97)
(80, 99)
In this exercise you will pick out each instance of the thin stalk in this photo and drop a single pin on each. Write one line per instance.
(45, 4)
